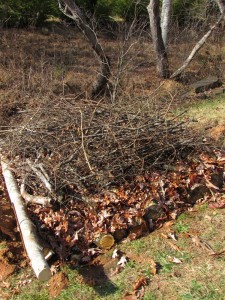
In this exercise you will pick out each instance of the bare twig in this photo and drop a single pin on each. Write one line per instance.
(83, 147)
(41, 176)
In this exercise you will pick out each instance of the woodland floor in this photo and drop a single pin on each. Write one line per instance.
(184, 257)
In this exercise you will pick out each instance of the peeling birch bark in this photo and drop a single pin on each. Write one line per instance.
(165, 20)
(27, 228)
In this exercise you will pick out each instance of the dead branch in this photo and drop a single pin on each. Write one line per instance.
(46, 201)
(196, 48)
(41, 176)
(221, 5)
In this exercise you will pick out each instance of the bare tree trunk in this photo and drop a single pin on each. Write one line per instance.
(165, 19)
(196, 48)
(160, 50)
(71, 9)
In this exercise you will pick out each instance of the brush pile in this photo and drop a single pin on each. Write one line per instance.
(89, 146)
(100, 165)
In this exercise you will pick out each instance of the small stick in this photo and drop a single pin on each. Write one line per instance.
(82, 138)
(41, 176)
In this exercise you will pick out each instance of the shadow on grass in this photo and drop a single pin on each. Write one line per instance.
(95, 276)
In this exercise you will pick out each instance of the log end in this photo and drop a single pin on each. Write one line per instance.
(44, 275)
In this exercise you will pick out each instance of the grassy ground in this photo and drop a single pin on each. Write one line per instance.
(207, 118)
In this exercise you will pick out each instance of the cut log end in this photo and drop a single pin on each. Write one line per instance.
(44, 274)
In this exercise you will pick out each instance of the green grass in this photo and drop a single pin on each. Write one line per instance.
(201, 291)
(181, 227)
(2, 245)
(205, 113)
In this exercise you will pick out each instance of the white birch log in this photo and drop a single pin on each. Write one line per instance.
(27, 228)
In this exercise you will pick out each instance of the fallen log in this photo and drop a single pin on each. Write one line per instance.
(27, 228)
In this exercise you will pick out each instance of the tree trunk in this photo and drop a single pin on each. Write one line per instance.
(196, 48)
(70, 9)
(160, 50)
(165, 20)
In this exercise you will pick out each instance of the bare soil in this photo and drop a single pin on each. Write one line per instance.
(57, 283)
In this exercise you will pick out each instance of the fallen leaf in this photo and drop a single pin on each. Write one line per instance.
(164, 235)
(217, 205)
(168, 224)
(53, 269)
(196, 240)
(218, 253)
(141, 281)
(173, 236)
(153, 266)
(140, 293)
(117, 270)
(210, 185)
(177, 260)
(175, 247)
(173, 215)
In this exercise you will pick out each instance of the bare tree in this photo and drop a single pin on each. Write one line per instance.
(72, 10)
(196, 48)
(160, 34)
(158, 43)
